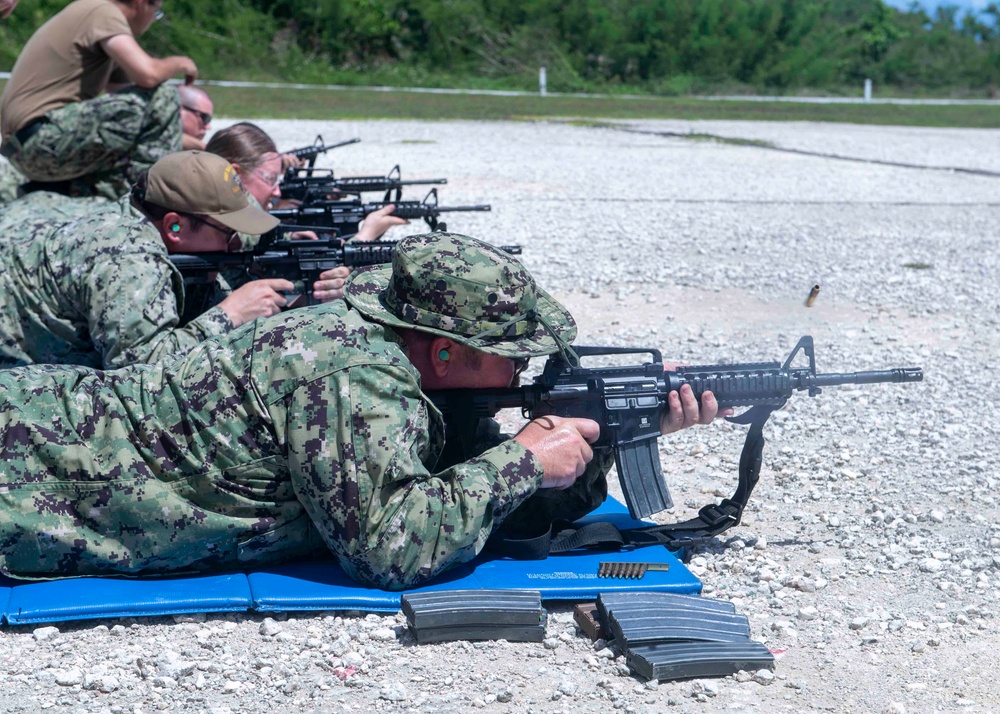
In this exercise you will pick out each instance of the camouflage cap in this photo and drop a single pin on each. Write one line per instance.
(205, 184)
(462, 288)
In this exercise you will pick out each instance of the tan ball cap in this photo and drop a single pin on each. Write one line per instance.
(205, 184)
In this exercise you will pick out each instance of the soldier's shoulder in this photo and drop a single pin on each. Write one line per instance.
(333, 323)
(41, 207)
(117, 226)
(310, 343)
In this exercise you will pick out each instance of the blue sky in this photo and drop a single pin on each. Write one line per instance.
(929, 5)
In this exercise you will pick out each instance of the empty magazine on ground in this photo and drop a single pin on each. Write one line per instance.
(445, 615)
(632, 628)
(666, 636)
(684, 660)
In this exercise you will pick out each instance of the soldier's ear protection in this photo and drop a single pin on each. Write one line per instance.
(444, 356)
(175, 227)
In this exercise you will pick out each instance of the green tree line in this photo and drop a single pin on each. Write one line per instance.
(656, 46)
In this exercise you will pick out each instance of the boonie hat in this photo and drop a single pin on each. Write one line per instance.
(205, 184)
(459, 287)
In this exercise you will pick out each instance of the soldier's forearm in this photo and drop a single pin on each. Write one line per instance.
(442, 521)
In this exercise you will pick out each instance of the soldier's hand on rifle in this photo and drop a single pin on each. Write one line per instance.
(378, 222)
(260, 298)
(330, 285)
(683, 410)
(562, 445)
(291, 161)
(303, 235)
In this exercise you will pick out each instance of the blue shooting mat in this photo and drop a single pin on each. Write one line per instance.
(324, 586)
(572, 576)
(90, 598)
(4, 593)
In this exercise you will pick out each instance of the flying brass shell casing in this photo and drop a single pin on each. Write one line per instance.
(813, 294)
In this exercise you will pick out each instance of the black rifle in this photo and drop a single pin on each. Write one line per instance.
(278, 233)
(309, 153)
(346, 215)
(309, 184)
(627, 401)
(300, 261)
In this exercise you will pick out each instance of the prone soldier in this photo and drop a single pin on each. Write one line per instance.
(254, 155)
(100, 290)
(305, 431)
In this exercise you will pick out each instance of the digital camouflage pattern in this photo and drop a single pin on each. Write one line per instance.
(10, 182)
(546, 506)
(291, 432)
(453, 285)
(45, 207)
(102, 145)
(98, 291)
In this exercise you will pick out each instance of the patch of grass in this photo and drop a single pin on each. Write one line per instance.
(595, 123)
(734, 141)
(918, 266)
(259, 103)
(252, 103)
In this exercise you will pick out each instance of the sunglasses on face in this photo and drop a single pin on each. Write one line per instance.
(232, 237)
(205, 117)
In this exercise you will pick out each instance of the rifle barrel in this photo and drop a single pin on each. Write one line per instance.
(480, 207)
(903, 374)
(315, 149)
(381, 183)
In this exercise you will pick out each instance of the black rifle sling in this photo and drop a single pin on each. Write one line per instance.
(712, 519)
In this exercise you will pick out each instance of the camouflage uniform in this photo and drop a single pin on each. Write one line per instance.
(99, 291)
(44, 208)
(10, 182)
(305, 429)
(102, 145)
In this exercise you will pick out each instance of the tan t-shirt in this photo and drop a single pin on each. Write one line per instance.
(62, 63)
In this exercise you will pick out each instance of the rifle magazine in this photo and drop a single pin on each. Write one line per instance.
(641, 478)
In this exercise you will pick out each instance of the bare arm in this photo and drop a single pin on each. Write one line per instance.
(143, 70)
(190, 142)
(377, 223)
(7, 7)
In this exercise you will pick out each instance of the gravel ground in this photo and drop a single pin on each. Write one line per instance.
(869, 558)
